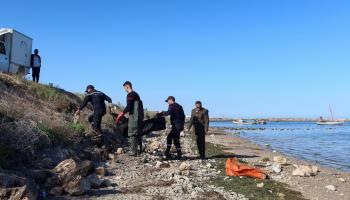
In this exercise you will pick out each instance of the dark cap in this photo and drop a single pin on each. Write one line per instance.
(89, 87)
(198, 102)
(170, 98)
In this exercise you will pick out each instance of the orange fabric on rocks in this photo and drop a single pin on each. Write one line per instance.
(235, 168)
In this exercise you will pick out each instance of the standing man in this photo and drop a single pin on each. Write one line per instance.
(177, 118)
(97, 99)
(35, 63)
(135, 109)
(200, 121)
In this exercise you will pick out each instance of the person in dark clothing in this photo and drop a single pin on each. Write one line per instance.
(177, 118)
(97, 99)
(136, 114)
(35, 63)
(200, 121)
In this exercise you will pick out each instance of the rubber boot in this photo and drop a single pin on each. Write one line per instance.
(179, 154)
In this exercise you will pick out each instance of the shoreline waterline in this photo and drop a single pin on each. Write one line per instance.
(314, 187)
(324, 145)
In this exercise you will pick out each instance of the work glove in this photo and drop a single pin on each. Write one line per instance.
(120, 115)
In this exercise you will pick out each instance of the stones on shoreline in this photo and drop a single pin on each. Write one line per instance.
(280, 160)
(331, 188)
(185, 166)
(305, 171)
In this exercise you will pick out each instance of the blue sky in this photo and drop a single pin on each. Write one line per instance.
(242, 58)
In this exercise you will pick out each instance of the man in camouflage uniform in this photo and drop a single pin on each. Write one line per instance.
(200, 121)
(136, 114)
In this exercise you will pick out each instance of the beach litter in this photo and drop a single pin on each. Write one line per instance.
(235, 168)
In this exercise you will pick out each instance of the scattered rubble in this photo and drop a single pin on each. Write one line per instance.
(280, 160)
(185, 166)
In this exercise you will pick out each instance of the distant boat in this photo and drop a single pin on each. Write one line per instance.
(243, 122)
(249, 122)
(330, 122)
(260, 122)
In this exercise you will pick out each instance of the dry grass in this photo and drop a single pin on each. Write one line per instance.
(33, 116)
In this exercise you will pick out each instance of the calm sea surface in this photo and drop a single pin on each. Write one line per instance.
(326, 145)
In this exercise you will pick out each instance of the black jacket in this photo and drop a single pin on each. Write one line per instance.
(177, 114)
(97, 99)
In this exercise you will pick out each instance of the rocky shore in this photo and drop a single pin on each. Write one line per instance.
(312, 180)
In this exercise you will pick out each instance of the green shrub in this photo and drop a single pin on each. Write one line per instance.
(52, 133)
(47, 93)
(77, 128)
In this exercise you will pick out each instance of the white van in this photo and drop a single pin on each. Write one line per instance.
(15, 51)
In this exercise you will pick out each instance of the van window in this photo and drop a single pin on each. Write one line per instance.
(2, 48)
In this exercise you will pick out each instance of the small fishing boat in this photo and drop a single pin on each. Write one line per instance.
(242, 122)
(261, 122)
(330, 122)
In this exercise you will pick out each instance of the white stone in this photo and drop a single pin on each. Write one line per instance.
(342, 180)
(162, 165)
(305, 171)
(260, 185)
(277, 168)
(120, 151)
(331, 188)
(185, 166)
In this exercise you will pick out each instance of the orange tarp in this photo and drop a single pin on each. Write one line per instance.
(235, 168)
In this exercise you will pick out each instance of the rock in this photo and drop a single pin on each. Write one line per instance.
(18, 193)
(111, 156)
(56, 191)
(15, 187)
(71, 176)
(265, 159)
(277, 168)
(106, 183)
(182, 134)
(342, 180)
(185, 166)
(281, 195)
(95, 181)
(100, 171)
(331, 188)
(77, 186)
(315, 170)
(162, 165)
(154, 146)
(260, 185)
(280, 160)
(68, 168)
(120, 151)
(208, 165)
(40, 176)
(305, 171)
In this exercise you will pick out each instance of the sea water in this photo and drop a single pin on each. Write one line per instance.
(326, 145)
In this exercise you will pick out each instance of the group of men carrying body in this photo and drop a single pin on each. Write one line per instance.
(134, 107)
